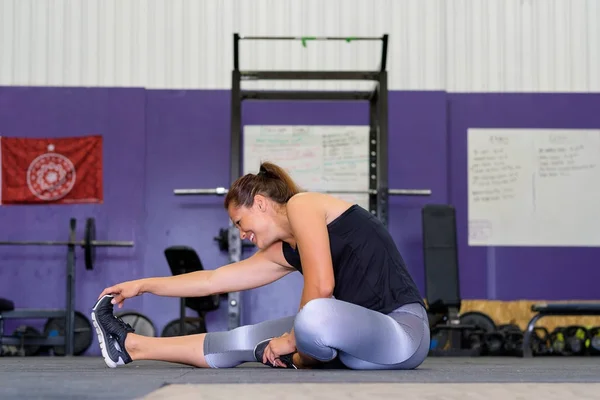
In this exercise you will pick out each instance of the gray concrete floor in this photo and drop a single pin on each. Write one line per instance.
(89, 378)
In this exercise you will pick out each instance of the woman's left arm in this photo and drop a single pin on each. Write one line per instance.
(309, 225)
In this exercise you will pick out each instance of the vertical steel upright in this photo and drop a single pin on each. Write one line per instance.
(235, 157)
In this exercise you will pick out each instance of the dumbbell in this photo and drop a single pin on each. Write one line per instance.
(513, 339)
(540, 341)
(575, 340)
(594, 338)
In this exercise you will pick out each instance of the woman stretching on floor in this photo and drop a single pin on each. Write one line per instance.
(359, 304)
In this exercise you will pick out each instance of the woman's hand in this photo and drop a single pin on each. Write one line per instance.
(285, 344)
(123, 291)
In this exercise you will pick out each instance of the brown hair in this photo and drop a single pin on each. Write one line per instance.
(271, 181)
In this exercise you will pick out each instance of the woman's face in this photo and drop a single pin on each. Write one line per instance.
(255, 223)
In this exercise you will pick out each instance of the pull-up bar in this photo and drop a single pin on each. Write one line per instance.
(304, 39)
(346, 38)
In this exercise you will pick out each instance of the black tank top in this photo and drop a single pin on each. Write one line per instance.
(368, 268)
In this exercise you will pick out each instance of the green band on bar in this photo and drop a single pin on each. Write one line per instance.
(306, 38)
(349, 39)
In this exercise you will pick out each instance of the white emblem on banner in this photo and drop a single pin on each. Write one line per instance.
(51, 176)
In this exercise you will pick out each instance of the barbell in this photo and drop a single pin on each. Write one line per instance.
(89, 243)
(220, 191)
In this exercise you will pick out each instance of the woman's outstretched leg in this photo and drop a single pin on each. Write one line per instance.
(178, 349)
(227, 349)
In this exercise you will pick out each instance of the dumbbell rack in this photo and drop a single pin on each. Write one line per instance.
(68, 313)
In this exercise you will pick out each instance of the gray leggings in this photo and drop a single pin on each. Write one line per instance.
(326, 329)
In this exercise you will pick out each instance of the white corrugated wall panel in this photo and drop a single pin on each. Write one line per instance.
(523, 45)
(73, 42)
(458, 45)
(592, 23)
(188, 43)
(113, 46)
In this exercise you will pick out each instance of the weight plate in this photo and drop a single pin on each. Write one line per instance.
(25, 331)
(90, 237)
(480, 320)
(191, 327)
(82, 336)
(142, 324)
(494, 343)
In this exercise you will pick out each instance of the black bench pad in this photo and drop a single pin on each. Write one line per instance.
(6, 305)
(567, 308)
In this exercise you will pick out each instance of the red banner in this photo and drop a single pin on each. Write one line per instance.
(51, 171)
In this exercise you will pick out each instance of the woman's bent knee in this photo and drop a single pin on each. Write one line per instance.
(311, 328)
(313, 314)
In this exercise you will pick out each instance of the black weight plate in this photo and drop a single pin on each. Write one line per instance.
(139, 322)
(82, 336)
(494, 343)
(173, 328)
(509, 328)
(90, 250)
(481, 320)
(25, 331)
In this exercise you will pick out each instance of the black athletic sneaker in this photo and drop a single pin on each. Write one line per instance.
(111, 333)
(260, 349)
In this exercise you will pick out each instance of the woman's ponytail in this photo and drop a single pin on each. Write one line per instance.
(271, 181)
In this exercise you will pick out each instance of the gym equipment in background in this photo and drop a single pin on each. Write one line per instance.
(562, 309)
(182, 260)
(138, 321)
(594, 337)
(173, 328)
(89, 245)
(223, 240)
(540, 341)
(378, 136)
(89, 242)
(24, 349)
(82, 334)
(451, 334)
(219, 191)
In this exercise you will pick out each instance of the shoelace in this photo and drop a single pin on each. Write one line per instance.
(124, 325)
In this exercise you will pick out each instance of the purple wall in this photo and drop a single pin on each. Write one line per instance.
(509, 273)
(157, 141)
(34, 277)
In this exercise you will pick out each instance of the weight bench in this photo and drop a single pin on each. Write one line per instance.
(183, 260)
(556, 309)
(440, 255)
(8, 311)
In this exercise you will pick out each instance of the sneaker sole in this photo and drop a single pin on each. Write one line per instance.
(101, 339)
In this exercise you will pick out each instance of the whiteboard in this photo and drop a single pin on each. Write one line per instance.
(318, 158)
(534, 187)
